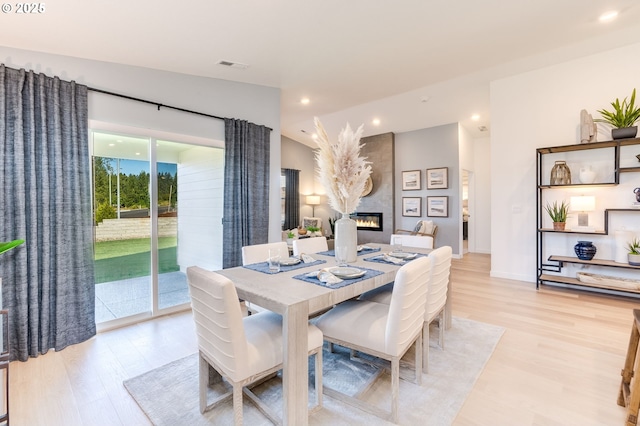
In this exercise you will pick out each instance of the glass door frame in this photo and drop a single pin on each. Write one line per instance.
(153, 137)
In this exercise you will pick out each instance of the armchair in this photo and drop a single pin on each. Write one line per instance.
(423, 228)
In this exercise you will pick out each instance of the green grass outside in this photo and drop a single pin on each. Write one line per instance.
(119, 260)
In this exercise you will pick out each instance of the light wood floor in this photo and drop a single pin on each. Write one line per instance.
(558, 362)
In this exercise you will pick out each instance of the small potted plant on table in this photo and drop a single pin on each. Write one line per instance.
(634, 252)
(558, 213)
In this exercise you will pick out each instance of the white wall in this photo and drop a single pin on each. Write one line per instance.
(425, 149)
(537, 109)
(482, 195)
(257, 104)
(201, 189)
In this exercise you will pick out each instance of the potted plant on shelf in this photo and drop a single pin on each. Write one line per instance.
(290, 237)
(314, 231)
(634, 252)
(558, 213)
(622, 118)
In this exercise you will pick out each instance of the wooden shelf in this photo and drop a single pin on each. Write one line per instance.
(578, 185)
(628, 169)
(595, 262)
(576, 282)
(609, 151)
(569, 231)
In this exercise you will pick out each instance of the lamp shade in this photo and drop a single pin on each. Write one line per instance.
(583, 203)
(313, 200)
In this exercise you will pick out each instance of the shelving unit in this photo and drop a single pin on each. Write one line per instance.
(553, 264)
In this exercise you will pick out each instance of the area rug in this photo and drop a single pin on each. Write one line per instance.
(169, 395)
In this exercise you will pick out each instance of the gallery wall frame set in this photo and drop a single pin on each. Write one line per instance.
(411, 180)
(412, 206)
(438, 178)
(438, 206)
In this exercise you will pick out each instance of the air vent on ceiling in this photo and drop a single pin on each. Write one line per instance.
(482, 128)
(233, 64)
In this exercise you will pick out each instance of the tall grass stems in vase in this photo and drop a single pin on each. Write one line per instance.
(343, 173)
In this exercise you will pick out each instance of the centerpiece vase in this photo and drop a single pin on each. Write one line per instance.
(346, 231)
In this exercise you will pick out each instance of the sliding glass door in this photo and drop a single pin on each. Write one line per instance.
(141, 188)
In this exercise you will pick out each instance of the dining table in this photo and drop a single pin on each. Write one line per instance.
(291, 294)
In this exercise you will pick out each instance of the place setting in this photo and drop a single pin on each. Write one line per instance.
(340, 275)
(362, 250)
(397, 255)
(276, 264)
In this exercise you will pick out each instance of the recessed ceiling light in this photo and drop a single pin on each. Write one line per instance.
(304, 101)
(475, 117)
(608, 16)
(314, 136)
(137, 153)
(375, 122)
(112, 144)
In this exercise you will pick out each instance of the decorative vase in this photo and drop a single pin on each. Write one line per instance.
(585, 250)
(634, 259)
(560, 174)
(624, 132)
(587, 175)
(559, 226)
(347, 236)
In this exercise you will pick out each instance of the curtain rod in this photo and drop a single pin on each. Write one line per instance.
(157, 104)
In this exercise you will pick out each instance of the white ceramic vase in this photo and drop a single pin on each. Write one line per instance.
(346, 231)
(587, 175)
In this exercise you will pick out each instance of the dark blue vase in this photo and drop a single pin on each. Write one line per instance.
(585, 250)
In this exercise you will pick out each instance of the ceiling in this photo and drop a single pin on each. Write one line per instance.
(412, 64)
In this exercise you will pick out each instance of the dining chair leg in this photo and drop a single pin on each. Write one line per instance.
(395, 388)
(237, 404)
(418, 359)
(425, 347)
(319, 378)
(441, 328)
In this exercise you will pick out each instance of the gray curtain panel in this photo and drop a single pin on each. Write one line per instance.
(45, 194)
(291, 199)
(246, 189)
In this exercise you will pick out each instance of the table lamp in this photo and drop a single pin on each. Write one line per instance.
(583, 204)
(313, 201)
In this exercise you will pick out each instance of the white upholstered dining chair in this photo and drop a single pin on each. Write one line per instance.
(260, 253)
(436, 297)
(241, 350)
(384, 331)
(418, 241)
(310, 245)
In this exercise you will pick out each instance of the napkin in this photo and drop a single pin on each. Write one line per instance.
(391, 259)
(306, 258)
(325, 276)
(364, 248)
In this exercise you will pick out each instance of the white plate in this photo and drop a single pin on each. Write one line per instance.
(289, 261)
(346, 272)
(402, 255)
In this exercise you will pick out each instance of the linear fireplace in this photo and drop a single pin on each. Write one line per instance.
(368, 221)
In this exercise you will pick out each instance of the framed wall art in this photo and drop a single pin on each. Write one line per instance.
(411, 180)
(412, 206)
(438, 206)
(438, 178)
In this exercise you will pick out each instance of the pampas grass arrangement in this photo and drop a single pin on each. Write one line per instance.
(341, 170)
